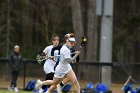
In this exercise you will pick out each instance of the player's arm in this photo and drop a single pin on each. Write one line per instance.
(21, 63)
(46, 52)
(11, 62)
(68, 58)
(77, 58)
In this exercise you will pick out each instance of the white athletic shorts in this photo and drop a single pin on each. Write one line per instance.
(62, 70)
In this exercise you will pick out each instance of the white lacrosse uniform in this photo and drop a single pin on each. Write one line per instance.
(49, 64)
(63, 67)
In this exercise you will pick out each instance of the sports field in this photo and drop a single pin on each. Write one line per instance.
(6, 91)
(116, 88)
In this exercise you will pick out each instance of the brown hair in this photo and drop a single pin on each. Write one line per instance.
(53, 36)
(71, 35)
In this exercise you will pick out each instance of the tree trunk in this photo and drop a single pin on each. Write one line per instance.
(26, 27)
(77, 22)
(91, 31)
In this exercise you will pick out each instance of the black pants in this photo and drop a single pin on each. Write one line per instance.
(14, 76)
(49, 76)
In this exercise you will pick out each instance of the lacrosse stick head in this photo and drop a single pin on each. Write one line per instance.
(41, 58)
(84, 41)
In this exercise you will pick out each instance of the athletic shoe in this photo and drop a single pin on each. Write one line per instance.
(40, 90)
(38, 84)
(59, 88)
(10, 88)
(16, 89)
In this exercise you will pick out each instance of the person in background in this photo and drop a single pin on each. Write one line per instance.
(15, 63)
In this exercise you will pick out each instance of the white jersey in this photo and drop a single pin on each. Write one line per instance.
(56, 55)
(63, 67)
(49, 64)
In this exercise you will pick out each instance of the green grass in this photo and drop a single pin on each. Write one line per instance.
(21, 91)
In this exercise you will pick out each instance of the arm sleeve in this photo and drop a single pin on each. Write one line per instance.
(45, 50)
(68, 57)
(11, 62)
(21, 63)
(69, 60)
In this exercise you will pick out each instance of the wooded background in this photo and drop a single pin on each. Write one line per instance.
(31, 23)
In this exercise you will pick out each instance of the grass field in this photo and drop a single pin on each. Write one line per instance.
(6, 91)
(116, 88)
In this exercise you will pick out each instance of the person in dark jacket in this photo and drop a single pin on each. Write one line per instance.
(15, 63)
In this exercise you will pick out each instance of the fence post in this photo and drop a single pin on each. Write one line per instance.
(24, 74)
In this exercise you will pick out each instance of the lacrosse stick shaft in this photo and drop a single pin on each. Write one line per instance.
(129, 78)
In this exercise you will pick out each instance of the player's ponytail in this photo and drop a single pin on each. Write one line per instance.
(69, 35)
(72, 35)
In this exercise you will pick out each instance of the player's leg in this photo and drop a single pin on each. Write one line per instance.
(63, 83)
(12, 78)
(16, 77)
(65, 80)
(56, 82)
(49, 76)
(48, 82)
(71, 75)
(41, 83)
(10, 88)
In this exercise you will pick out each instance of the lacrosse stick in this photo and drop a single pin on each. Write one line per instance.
(129, 78)
(41, 58)
(84, 41)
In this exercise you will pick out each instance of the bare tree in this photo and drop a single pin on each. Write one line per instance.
(91, 31)
(8, 28)
(77, 20)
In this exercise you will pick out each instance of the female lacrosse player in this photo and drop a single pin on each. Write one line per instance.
(49, 64)
(64, 69)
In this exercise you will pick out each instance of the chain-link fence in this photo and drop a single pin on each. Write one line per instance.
(87, 71)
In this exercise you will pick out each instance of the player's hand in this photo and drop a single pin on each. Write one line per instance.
(51, 57)
(77, 52)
